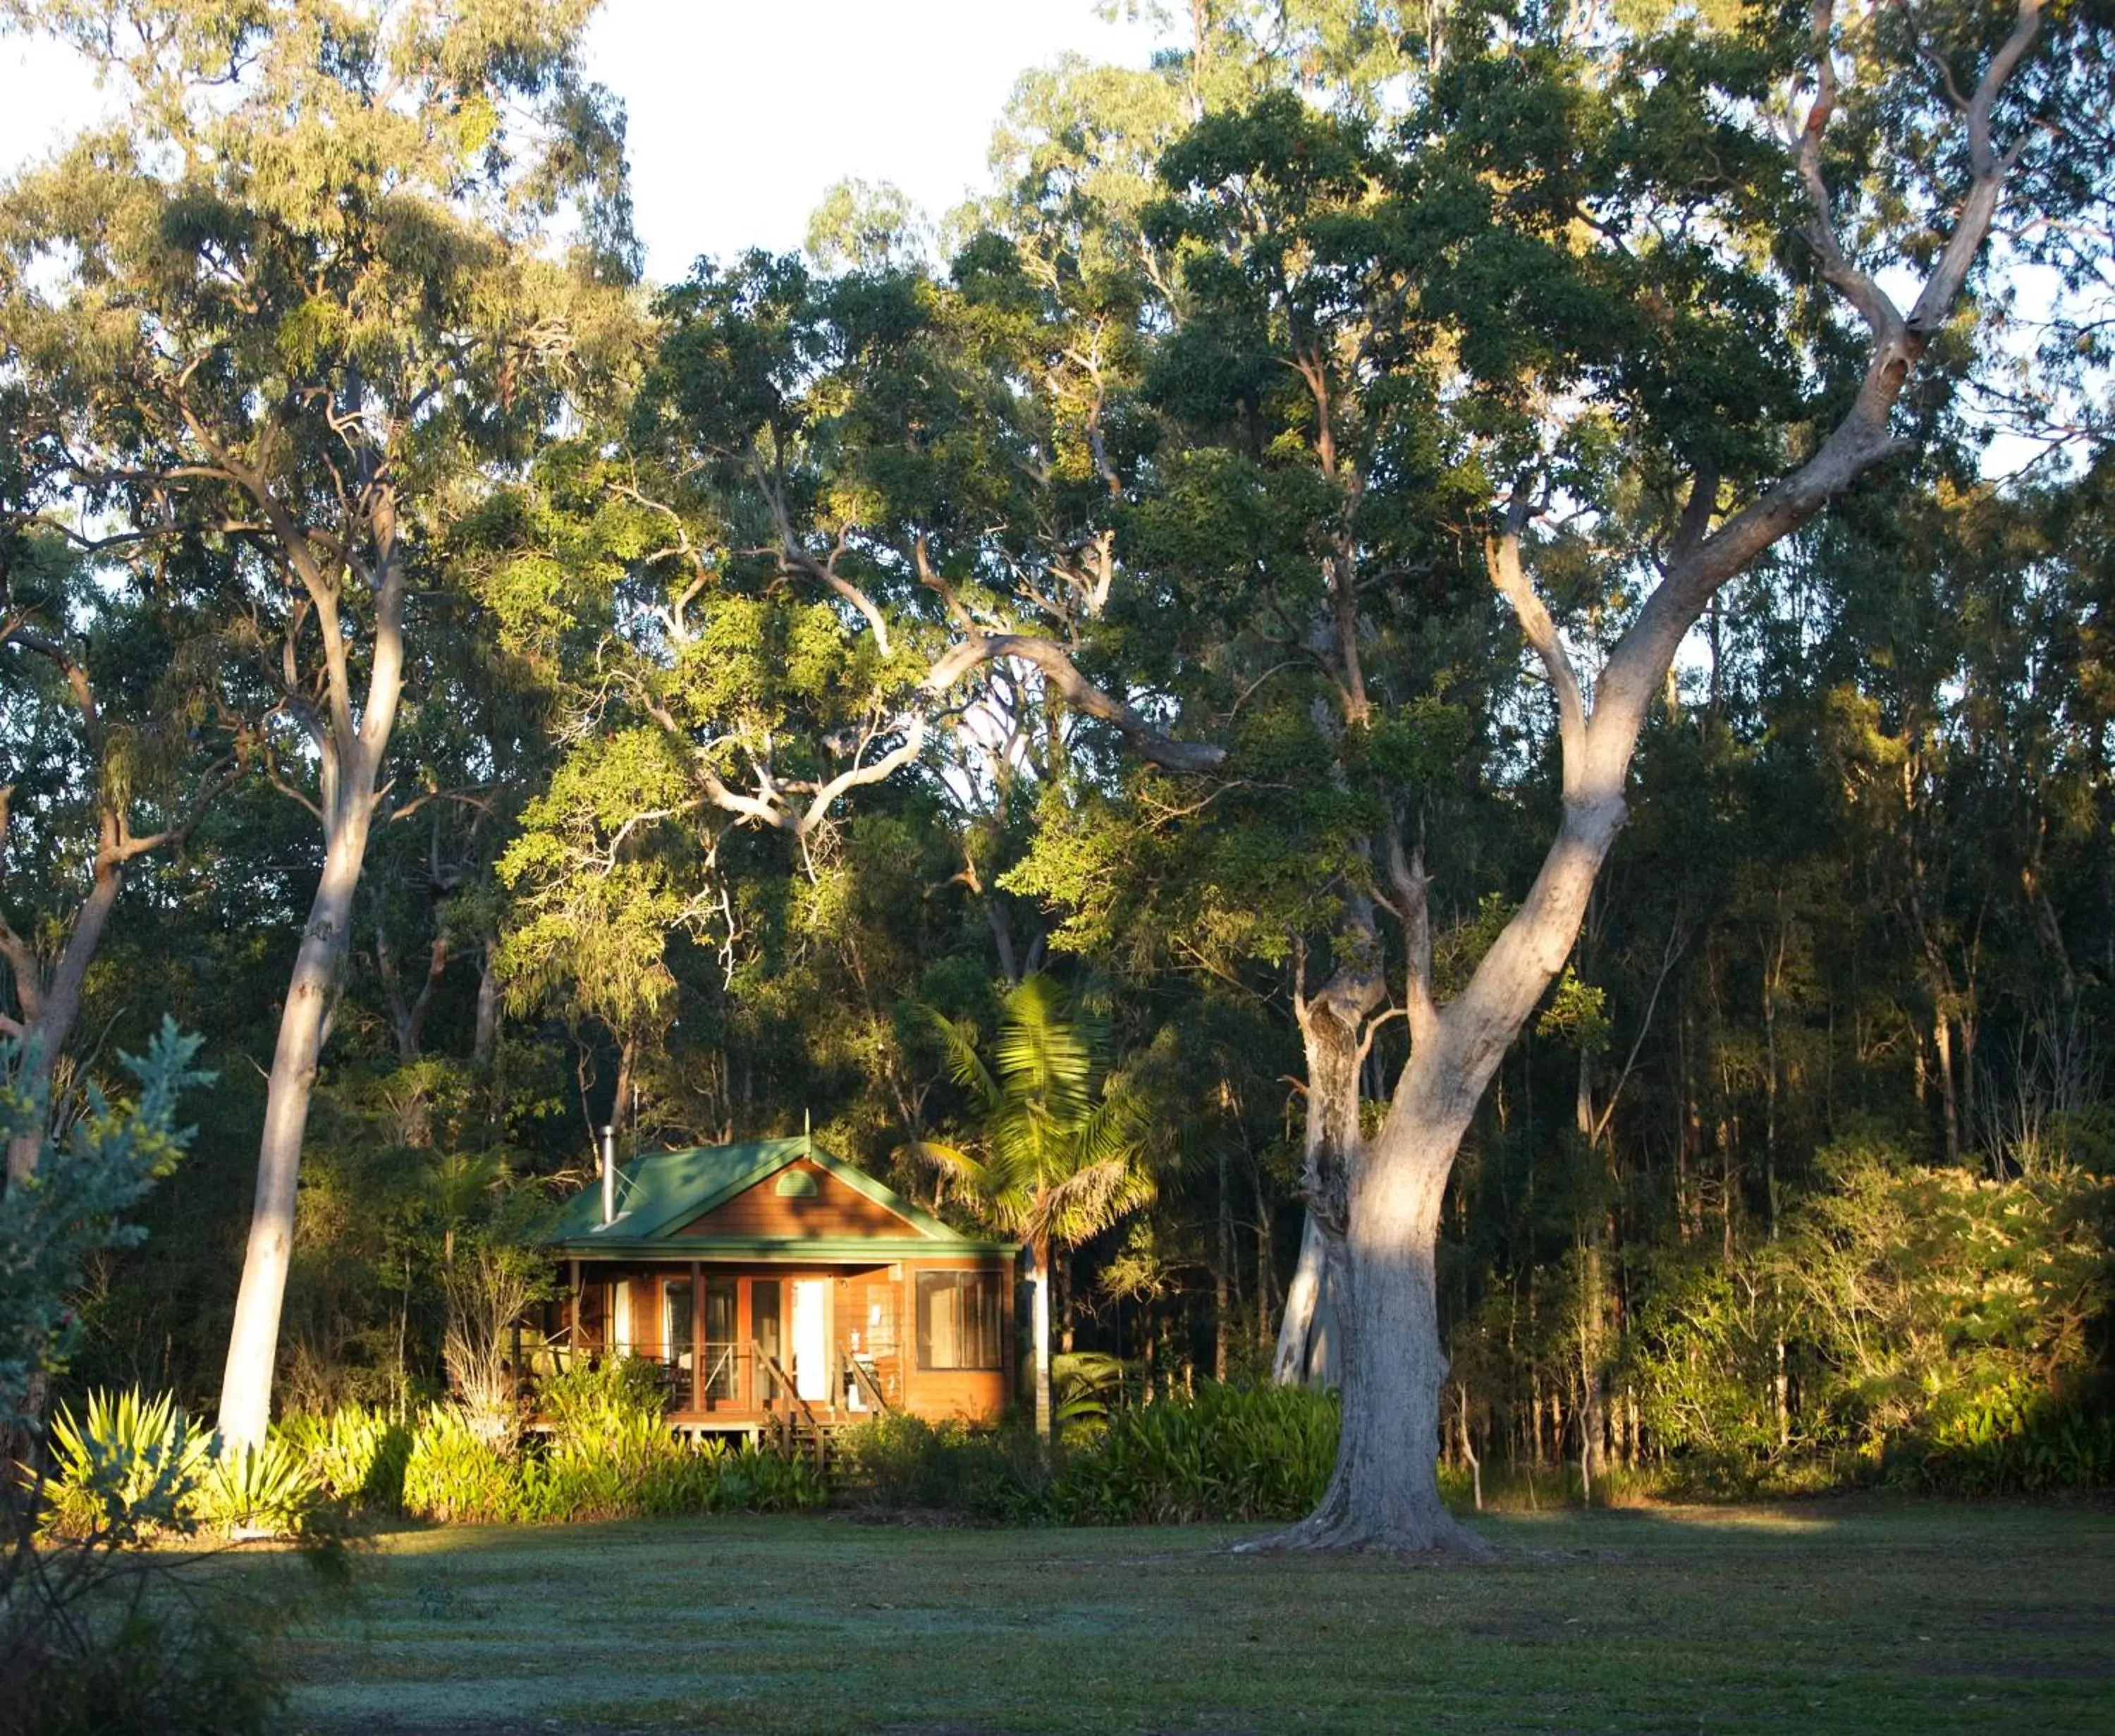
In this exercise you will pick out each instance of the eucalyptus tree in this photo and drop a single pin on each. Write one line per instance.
(847, 536)
(1678, 245)
(293, 302)
(1599, 321)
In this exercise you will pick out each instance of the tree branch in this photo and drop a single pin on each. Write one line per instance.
(980, 648)
(1501, 559)
(1413, 905)
(855, 776)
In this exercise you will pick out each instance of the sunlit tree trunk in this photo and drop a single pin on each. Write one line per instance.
(245, 1396)
(351, 755)
(1038, 1304)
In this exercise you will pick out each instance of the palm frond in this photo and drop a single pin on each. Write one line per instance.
(1059, 1160)
(1040, 1052)
(950, 1160)
(966, 1067)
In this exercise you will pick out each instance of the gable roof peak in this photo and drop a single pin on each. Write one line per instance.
(658, 1192)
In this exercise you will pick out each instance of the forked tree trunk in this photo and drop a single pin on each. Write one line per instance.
(1384, 1493)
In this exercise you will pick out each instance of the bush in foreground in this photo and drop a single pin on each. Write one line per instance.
(1225, 1454)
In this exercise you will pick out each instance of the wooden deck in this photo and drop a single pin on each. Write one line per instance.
(786, 1421)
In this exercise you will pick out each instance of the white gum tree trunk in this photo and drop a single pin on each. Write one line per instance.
(245, 1394)
(1385, 1491)
(1333, 1035)
(1305, 1341)
(350, 754)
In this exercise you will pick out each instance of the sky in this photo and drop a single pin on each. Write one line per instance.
(744, 112)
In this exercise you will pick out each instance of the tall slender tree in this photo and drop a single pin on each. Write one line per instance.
(297, 298)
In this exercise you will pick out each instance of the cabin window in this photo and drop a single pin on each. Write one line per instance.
(679, 1324)
(720, 1377)
(958, 1320)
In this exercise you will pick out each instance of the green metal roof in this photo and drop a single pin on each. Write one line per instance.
(657, 1194)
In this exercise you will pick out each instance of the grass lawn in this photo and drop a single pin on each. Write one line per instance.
(1854, 1616)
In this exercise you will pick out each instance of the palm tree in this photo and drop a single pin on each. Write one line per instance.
(1059, 1155)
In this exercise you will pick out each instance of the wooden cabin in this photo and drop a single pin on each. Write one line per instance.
(780, 1289)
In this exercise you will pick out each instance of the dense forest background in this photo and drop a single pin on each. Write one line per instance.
(716, 776)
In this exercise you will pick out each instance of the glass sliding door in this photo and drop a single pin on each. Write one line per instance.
(766, 1314)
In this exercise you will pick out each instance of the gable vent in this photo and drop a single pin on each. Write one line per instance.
(795, 1182)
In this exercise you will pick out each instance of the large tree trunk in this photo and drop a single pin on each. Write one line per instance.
(1385, 1491)
(245, 1393)
(351, 755)
(1379, 1201)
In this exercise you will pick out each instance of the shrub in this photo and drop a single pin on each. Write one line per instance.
(95, 1636)
(1231, 1453)
(135, 1467)
(2010, 1443)
(753, 1479)
(1946, 1312)
(1085, 1386)
(587, 1404)
(1228, 1453)
(129, 1467)
(903, 1462)
(356, 1453)
(609, 1455)
(455, 1474)
(262, 1490)
(134, 1658)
